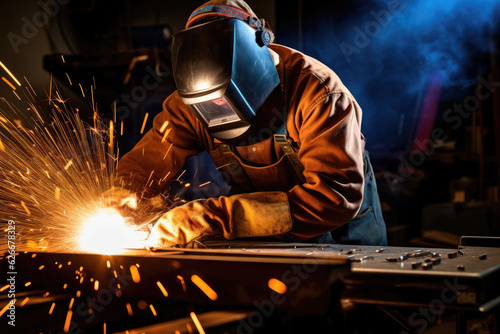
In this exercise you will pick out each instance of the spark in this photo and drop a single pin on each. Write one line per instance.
(189, 328)
(16, 95)
(46, 294)
(68, 165)
(52, 308)
(96, 285)
(204, 287)
(162, 288)
(62, 57)
(78, 294)
(153, 309)
(204, 184)
(27, 284)
(108, 264)
(4, 287)
(135, 274)
(71, 84)
(129, 310)
(71, 166)
(104, 328)
(166, 135)
(111, 134)
(164, 126)
(181, 174)
(197, 323)
(183, 283)
(2, 147)
(24, 302)
(68, 321)
(11, 302)
(277, 285)
(71, 303)
(50, 90)
(30, 86)
(65, 286)
(10, 73)
(25, 208)
(41, 267)
(144, 122)
(81, 88)
(8, 83)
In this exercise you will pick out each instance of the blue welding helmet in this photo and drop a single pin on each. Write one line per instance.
(225, 74)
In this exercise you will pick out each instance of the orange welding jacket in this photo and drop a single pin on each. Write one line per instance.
(323, 121)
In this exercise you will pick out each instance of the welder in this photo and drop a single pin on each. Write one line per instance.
(279, 124)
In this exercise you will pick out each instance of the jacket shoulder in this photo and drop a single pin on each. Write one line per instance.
(299, 67)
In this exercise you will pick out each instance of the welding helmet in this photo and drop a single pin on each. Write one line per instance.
(225, 74)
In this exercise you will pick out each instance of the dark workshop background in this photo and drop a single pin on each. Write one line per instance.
(426, 74)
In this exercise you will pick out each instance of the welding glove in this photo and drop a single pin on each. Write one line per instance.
(261, 214)
(129, 205)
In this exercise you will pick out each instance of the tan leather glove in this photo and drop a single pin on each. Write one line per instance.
(260, 214)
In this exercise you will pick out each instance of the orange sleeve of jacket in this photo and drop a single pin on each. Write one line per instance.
(159, 156)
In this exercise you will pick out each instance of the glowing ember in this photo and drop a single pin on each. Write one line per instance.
(204, 287)
(68, 321)
(135, 274)
(153, 310)
(13, 301)
(181, 279)
(52, 308)
(162, 288)
(197, 323)
(107, 232)
(129, 310)
(277, 286)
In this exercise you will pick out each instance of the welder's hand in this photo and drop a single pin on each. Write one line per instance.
(128, 204)
(182, 225)
(260, 214)
(120, 199)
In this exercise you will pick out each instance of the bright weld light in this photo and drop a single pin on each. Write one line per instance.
(107, 232)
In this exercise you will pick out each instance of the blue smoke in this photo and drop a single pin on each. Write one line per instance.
(386, 50)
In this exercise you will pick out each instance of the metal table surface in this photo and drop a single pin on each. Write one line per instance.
(140, 288)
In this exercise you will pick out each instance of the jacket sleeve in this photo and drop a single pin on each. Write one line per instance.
(159, 156)
(331, 150)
